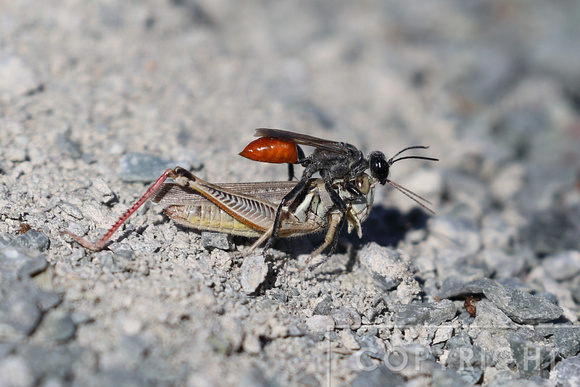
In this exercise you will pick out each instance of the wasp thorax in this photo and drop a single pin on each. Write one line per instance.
(379, 166)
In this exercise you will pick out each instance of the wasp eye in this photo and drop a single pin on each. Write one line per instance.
(362, 183)
(379, 166)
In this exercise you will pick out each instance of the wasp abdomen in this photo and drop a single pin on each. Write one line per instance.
(271, 150)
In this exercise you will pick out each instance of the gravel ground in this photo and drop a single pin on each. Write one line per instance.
(97, 98)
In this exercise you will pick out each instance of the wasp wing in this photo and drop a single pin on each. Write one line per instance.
(303, 139)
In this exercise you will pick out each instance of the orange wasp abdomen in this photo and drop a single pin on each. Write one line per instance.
(271, 150)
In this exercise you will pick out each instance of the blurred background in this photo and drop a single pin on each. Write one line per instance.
(492, 86)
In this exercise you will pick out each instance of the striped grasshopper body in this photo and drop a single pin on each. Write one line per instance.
(249, 209)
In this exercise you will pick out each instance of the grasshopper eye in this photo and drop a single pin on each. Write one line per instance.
(362, 183)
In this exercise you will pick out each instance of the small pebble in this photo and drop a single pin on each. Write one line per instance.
(324, 307)
(521, 307)
(254, 271)
(14, 371)
(530, 357)
(145, 168)
(319, 323)
(568, 372)
(16, 77)
(67, 146)
(349, 340)
(414, 314)
(346, 318)
(385, 265)
(381, 376)
(103, 192)
(56, 327)
(71, 210)
(34, 240)
(567, 339)
(562, 266)
(211, 240)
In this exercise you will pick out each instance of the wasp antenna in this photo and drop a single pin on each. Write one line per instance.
(412, 195)
(409, 148)
(391, 161)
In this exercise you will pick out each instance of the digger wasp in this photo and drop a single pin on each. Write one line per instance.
(332, 160)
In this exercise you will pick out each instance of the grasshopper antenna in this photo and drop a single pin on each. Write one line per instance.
(420, 200)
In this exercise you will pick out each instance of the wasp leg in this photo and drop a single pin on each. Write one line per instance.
(358, 196)
(298, 188)
(290, 172)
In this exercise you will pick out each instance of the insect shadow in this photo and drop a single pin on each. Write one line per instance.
(384, 226)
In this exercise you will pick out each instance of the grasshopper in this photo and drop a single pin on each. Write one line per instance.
(250, 209)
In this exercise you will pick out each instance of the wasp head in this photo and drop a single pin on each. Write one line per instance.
(379, 166)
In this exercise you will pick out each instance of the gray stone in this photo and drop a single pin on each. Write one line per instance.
(531, 358)
(254, 271)
(576, 289)
(346, 318)
(411, 361)
(385, 265)
(16, 77)
(67, 146)
(211, 240)
(553, 230)
(324, 307)
(502, 264)
(17, 261)
(157, 372)
(131, 350)
(461, 339)
(46, 362)
(308, 380)
(530, 335)
(454, 289)
(349, 339)
(469, 361)
(57, 327)
(253, 377)
(6, 349)
(71, 209)
(491, 318)
(447, 378)
(33, 267)
(381, 376)
(103, 192)
(496, 233)
(568, 372)
(373, 347)
(562, 266)
(112, 377)
(18, 307)
(34, 240)
(567, 339)
(46, 299)
(464, 234)
(14, 371)
(521, 307)
(414, 314)
(472, 196)
(140, 167)
(317, 324)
